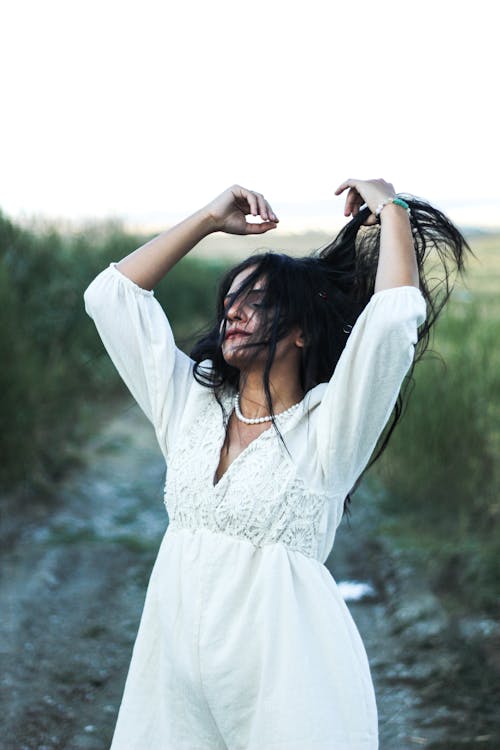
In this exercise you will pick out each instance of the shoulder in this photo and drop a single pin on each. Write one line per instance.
(203, 388)
(310, 403)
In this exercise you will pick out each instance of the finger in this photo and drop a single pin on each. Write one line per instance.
(357, 206)
(264, 226)
(271, 213)
(348, 183)
(262, 207)
(370, 221)
(351, 200)
(251, 200)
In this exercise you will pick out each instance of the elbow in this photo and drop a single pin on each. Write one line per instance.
(398, 333)
(91, 300)
(97, 292)
(404, 336)
(405, 308)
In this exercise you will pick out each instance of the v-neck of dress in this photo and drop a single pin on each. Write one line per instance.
(241, 454)
(228, 402)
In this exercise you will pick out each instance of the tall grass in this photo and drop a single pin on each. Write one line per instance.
(53, 363)
(441, 471)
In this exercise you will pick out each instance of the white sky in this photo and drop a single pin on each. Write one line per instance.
(146, 110)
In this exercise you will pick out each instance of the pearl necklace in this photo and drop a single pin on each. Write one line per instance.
(258, 420)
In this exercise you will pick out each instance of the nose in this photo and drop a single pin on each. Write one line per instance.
(236, 310)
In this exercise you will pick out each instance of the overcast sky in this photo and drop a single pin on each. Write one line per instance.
(146, 110)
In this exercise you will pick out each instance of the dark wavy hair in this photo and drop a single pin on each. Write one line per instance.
(323, 294)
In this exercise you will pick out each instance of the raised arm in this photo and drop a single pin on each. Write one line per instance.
(133, 326)
(363, 390)
(397, 265)
(147, 265)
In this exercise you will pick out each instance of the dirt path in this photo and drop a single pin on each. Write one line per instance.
(73, 586)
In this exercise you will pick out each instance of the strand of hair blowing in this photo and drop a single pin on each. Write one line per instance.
(440, 250)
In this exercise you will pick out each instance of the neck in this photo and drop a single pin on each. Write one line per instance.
(253, 400)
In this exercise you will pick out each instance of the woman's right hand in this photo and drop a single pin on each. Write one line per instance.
(228, 211)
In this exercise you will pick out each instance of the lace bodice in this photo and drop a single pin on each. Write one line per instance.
(259, 498)
(267, 495)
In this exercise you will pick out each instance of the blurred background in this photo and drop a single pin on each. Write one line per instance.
(120, 119)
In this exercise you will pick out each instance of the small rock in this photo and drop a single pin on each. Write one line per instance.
(471, 627)
(49, 579)
(425, 633)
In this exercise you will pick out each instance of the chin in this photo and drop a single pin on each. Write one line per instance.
(234, 358)
(238, 356)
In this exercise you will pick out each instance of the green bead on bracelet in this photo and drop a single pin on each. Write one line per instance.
(395, 199)
(400, 202)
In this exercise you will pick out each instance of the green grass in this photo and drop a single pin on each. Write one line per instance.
(441, 470)
(54, 367)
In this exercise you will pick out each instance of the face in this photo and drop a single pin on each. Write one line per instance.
(245, 319)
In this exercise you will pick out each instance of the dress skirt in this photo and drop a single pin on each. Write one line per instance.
(244, 648)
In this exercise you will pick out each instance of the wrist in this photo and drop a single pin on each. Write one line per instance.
(208, 223)
(391, 210)
(392, 201)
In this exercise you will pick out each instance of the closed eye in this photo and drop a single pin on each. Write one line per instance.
(228, 299)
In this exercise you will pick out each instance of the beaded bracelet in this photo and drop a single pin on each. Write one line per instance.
(395, 199)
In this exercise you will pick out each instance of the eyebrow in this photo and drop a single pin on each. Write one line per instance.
(260, 289)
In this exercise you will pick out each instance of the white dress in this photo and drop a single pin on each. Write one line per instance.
(245, 642)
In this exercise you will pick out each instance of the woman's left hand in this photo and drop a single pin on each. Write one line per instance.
(371, 192)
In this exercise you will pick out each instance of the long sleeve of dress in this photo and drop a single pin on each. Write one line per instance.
(137, 336)
(364, 388)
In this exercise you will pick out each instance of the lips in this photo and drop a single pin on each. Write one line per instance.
(236, 333)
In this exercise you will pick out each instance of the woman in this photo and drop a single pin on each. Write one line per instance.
(245, 642)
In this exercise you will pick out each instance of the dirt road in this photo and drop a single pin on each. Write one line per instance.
(73, 585)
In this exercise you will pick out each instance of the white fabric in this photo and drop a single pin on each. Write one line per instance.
(245, 642)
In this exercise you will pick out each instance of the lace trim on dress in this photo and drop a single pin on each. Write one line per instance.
(259, 498)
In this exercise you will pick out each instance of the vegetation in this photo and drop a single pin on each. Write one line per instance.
(54, 368)
(441, 473)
